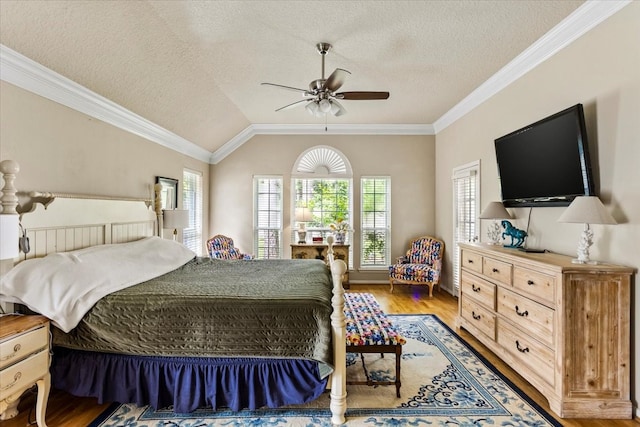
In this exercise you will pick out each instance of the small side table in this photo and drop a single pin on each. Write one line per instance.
(24, 361)
(319, 251)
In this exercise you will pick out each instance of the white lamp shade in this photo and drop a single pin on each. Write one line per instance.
(303, 215)
(324, 105)
(587, 210)
(495, 210)
(9, 235)
(175, 218)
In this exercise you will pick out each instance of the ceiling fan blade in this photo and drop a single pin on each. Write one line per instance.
(336, 79)
(362, 95)
(293, 104)
(304, 91)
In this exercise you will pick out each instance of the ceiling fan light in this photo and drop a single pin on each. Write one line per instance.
(325, 105)
(312, 108)
(335, 108)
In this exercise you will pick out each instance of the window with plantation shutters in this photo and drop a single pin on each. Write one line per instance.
(466, 201)
(268, 217)
(192, 201)
(322, 183)
(375, 222)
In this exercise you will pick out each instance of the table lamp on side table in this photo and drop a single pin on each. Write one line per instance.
(303, 215)
(176, 219)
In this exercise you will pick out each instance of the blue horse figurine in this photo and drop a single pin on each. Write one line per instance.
(517, 235)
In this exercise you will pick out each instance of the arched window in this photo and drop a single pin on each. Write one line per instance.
(321, 193)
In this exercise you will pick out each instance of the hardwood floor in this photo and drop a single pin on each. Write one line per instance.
(65, 410)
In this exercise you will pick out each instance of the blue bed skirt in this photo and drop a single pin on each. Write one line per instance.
(186, 383)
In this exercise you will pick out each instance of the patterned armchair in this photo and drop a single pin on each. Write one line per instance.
(421, 265)
(221, 247)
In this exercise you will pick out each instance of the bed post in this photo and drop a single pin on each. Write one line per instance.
(338, 403)
(157, 207)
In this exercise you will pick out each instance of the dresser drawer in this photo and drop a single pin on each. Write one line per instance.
(480, 290)
(527, 315)
(23, 374)
(497, 270)
(537, 357)
(478, 316)
(535, 283)
(22, 345)
(471, 261)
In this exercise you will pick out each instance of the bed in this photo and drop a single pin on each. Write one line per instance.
(203, 333)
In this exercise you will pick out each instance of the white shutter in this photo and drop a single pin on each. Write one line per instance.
(466, 201)
(192, 201)
(375, 222)
(267, 239)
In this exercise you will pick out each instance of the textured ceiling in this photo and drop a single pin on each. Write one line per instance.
(195, 67)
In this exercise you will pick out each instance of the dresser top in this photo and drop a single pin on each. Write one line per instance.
(13, 324)
(558, 261)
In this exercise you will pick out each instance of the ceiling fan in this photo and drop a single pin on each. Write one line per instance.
(321, 98)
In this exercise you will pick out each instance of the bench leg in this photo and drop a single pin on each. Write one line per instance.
(398, 358)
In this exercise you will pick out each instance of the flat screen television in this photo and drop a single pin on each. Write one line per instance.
(546, 163)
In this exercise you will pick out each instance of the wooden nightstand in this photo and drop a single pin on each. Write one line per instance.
(24, 361)
(319, 251)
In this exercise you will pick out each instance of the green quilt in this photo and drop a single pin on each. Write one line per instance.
(216, 308)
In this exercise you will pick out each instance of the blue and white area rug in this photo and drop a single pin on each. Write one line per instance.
(444, 383)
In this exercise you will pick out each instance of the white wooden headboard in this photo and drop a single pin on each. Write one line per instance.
(58, 222)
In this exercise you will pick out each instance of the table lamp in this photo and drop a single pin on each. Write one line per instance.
(495, 211)
(176, 219)
(587, 210)
(303, 215)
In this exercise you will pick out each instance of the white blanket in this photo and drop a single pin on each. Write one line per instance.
(64, 286)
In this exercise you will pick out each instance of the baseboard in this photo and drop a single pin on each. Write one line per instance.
(368, 282)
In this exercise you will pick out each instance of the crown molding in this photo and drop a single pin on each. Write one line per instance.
(317, 129)
(583, 19)
(33, 77)
(29, 75)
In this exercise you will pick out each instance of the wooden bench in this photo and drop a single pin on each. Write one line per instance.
(370, 331)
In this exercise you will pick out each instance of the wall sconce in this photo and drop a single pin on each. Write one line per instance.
(176, 219)
(495, 211)
(587, 210)
(303, 215)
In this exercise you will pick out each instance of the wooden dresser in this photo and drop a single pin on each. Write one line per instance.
(319, 251)
(24, 361)
(564, 327)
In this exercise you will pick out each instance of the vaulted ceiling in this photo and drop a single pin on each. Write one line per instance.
(194, 68)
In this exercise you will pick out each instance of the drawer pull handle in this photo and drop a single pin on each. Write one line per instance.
(16, 378)
(474, 288)
(521, 313)
(521, 349)
(476, 316)
(530, 282)
(16, 349)
(495, 270)
(470, 261)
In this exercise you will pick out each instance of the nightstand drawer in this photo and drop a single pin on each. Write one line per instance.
(24, 374)
(22, 345)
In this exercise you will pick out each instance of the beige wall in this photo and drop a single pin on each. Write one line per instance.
(601, 70)
(61, 150)
(409, 160)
